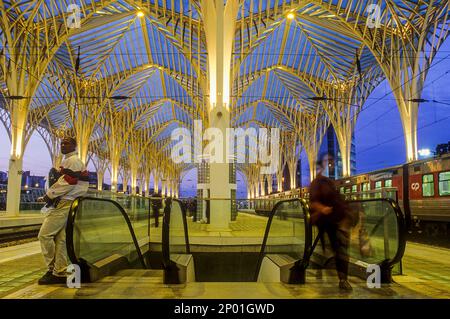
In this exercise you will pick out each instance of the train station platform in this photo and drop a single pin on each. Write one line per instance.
(425, 276)
(99, 232)
(127, 256)
(23, 227)
(23, 219)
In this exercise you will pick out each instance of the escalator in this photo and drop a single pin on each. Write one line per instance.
(378, 237)
(287, 248)
(103, 239)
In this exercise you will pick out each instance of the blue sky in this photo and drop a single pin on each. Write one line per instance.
(378, 133)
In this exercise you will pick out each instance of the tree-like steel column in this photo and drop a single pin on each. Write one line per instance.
(292, 156)
(125, 176)
(29, 40)
(219, 24)
(313, 128)
(101, 165)
(155, 174)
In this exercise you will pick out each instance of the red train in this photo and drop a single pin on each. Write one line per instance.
(422, 189)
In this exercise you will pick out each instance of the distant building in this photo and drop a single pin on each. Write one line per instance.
(330, 145)
(3, 177)
(298, 173)
(93, 180)
(32, 181)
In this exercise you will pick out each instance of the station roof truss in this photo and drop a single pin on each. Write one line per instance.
(296, 65)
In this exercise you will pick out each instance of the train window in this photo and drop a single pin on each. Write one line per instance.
(444, 183)
(427, 185)
(341, 190)
(366, 187)
(377, 184)
(388, 183)
(354, 188)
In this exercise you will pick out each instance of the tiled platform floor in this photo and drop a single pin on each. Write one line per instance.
(20, 272)
(426, 269)
(138, 285)
(426, 276)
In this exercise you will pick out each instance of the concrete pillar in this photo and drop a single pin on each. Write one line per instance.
(133, 182)
(269, 183)
(169, 188)
(257, 190)
(219, 24)
(18, 129)
(114, 176)
(409, 124)
(174, 189)
(163, 187)
(292, 174)
(100, 177)
(144, 186)
(177, 189)
(312, 160)
(83, 148)
(155, 182)
(262, 186)
(280, 179)
(14, 185)
(344, 138)
(125, 182)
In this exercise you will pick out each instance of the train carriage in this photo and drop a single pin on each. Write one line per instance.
(422, 189)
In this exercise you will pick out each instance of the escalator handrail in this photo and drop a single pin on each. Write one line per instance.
(70, 226)
(166, 230)
(401, 227)
(308, 234)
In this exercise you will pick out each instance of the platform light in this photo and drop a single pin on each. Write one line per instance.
(424, 152)
(290, 16)
(140, 14)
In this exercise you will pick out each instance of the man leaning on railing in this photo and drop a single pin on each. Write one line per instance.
(69, 182)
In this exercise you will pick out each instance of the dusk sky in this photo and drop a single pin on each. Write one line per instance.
(378, 134)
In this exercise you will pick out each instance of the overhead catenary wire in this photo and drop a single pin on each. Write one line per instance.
(402, 135)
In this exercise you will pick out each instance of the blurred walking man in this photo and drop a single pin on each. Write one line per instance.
(330, 215)
(73, 181)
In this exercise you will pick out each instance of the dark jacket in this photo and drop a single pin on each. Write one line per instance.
(323, 190)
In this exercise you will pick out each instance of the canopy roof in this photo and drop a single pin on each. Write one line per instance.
(154, 64)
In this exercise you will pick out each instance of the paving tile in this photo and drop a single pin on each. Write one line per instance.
(426, 275)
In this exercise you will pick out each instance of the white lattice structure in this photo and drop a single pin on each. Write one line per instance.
(127, 72)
